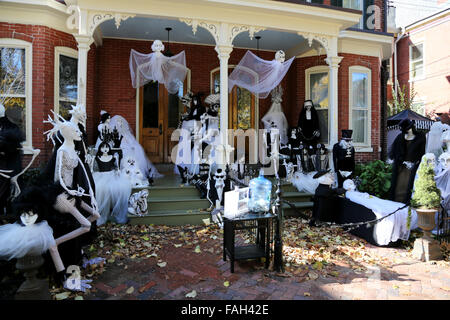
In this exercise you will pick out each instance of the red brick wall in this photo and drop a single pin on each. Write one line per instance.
(44, 40)
(296, 78)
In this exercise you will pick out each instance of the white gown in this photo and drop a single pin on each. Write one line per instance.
(16, 241)
(131, 148)
(393, 227)
(305, 182)
(434, 142)
(112, 191)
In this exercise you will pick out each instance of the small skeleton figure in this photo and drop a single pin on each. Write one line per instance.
(137, 205)
(200, 180)
(69, 194)
(344, 157)
(216, 216)
(320, 158)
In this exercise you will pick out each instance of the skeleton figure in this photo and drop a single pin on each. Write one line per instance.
(320, 158)
(137, 205)
(68, 194)
(216, 188)
(289, 167)
(134, 174)
(186, 100)
(200, 180)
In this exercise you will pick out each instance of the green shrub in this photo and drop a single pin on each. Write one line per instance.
(426, 194)
(374, 178)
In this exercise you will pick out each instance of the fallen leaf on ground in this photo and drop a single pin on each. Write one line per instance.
(130, 290)
(162, 264)
(307, 294)
(191, 294)
(226, 283)
(62, 296)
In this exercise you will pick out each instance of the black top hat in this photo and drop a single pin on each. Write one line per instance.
(347, 134)
(321, 173)
(406, 124)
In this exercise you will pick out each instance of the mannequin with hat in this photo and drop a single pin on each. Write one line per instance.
(405, 155)
(344, 157)
(325, 198)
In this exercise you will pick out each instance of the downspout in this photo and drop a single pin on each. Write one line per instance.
(402, 34)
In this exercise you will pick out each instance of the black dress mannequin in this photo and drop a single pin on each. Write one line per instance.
(308, 124)
(344, 157)
(105, 166)
(405, 150)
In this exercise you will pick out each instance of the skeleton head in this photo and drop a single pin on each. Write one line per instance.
(308, 104)
(444, 160)
(187, 99)
(294, 134)
(349, 185)
(219, 177)
(430, 159)
(157, 46)
(280, 56)
(28, 218)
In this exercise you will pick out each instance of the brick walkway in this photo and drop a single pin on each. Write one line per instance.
(207, 274)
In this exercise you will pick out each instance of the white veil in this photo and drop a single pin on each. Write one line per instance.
(131, 148)
(434, 142)
(257, 75)
(157, 67)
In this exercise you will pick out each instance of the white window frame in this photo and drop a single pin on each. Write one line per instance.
(68, 52)
(411, 78)
(360, 24)
(28, 47)
(366, 146)
(308, 73)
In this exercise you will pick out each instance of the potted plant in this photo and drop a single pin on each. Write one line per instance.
(426, 201)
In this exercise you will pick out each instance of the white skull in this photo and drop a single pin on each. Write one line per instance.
(157, 46)
(349, 185)
(308, 105)
(430, 159)
(280, 56)
(444, 160)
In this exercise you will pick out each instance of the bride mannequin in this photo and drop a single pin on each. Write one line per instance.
(276, 115)
(113, 187)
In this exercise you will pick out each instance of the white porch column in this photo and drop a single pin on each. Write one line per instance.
(223, 52)
(84, 43)
(333, 61)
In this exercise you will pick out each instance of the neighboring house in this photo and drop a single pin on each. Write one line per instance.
(78, 51)
(423, 63)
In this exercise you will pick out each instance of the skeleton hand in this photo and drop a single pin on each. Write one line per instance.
(316, 133)
(15, 189)
(84, 284)
(389, 161)
(408, 164)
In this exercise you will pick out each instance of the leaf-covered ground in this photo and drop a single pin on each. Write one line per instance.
(309, 253)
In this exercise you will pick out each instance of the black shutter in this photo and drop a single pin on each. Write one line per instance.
(336, 3)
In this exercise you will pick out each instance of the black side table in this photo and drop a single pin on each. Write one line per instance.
(261, 223)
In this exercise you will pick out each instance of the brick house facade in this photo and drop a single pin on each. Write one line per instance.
(108, 85)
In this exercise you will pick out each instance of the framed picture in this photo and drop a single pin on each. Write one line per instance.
(236, 202)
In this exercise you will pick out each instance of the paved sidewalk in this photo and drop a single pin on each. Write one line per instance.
(182, 273)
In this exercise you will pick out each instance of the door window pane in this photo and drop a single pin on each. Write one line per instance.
(244, 109)
(68, 78)
(318, 93)
(150, 105)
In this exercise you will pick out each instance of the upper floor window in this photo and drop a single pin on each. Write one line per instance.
(16, 83)
(66, 80)
(357, 5)
(360, 84)
(416, 61)
(317, 88)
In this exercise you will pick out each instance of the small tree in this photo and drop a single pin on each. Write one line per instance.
(426, 194)
(401, 100)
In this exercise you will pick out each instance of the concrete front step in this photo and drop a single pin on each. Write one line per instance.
(171, 192)
(174, 218)
(177, 203)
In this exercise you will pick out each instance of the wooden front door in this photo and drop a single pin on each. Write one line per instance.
(159, 115)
